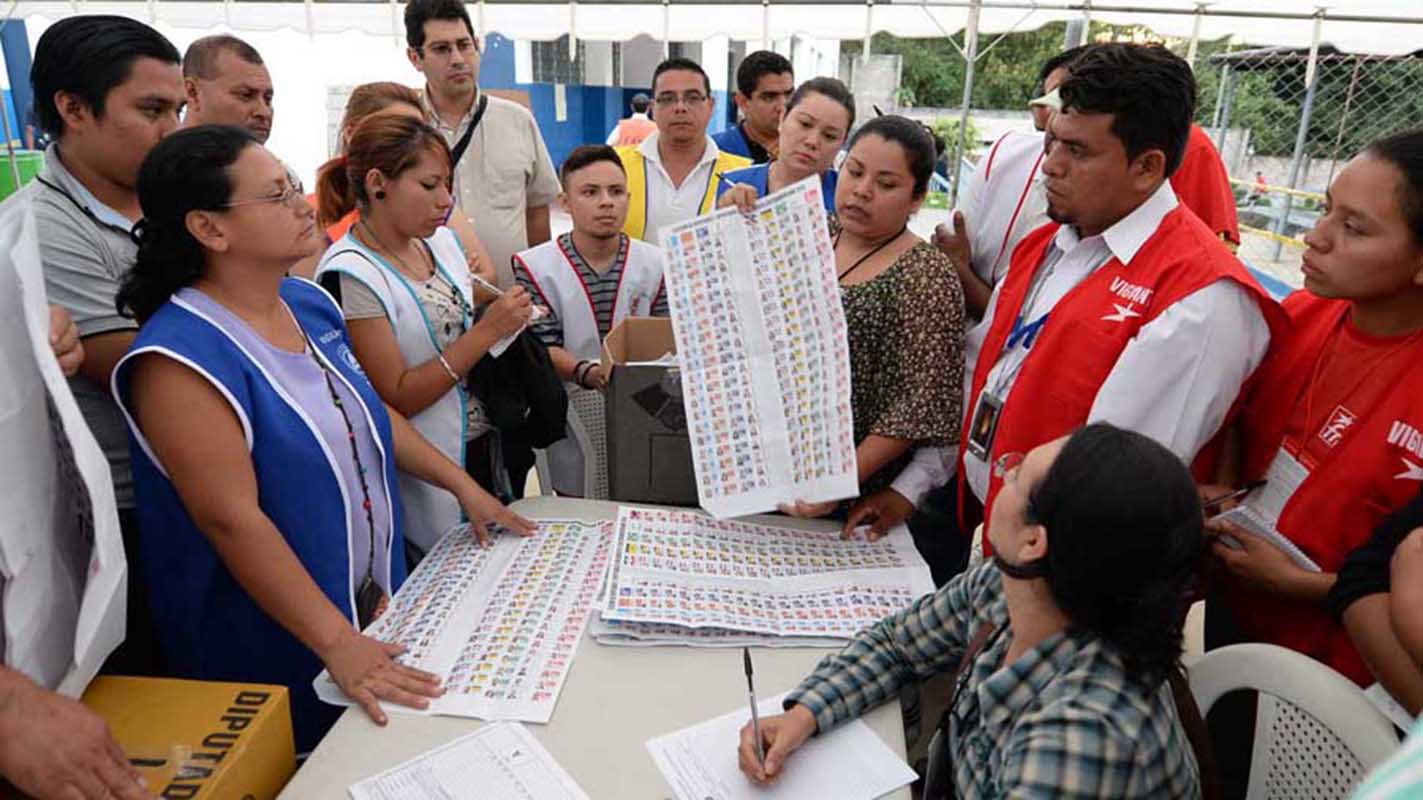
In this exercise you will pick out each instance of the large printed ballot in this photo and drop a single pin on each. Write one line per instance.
(498, 624)
(765, 361)
(62, 562)
(683, 572)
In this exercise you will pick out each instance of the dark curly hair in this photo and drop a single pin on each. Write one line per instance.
(186, 171)
(1149, 91)
(1125, 536)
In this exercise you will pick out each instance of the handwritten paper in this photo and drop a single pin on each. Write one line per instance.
(761, 336)
(502, 760)
(849, 763)
(500, 624)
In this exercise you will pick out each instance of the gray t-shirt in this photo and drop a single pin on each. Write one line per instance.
(85, 250)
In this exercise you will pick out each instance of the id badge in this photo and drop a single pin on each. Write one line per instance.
(985, 426)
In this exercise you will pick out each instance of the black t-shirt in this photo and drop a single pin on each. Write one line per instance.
(1366, 569)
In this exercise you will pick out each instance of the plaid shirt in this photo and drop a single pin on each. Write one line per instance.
(1061, 721)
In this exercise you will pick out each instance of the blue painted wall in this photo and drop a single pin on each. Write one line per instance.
(15, 41)
(592, 110)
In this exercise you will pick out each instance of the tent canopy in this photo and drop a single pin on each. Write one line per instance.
(1376, 26)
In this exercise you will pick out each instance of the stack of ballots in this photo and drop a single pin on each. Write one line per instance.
(683, 578)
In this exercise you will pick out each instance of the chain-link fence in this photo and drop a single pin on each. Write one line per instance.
(1285, 130)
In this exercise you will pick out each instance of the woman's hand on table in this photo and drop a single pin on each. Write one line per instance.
(366, 670)
(877, 514)
(483, 510)
(805, 510)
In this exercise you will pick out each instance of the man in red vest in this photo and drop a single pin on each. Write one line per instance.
(1126, 308)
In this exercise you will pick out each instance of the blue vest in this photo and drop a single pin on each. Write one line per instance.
(732, 140)
(759, 176)
(208, 625)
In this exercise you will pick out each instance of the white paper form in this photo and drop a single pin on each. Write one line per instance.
(849, 763)
(761, 337)
(684, 568)
(501, 761)
(499, 625)
(62, 565)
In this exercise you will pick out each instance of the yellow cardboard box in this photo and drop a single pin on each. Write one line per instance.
(200, 740)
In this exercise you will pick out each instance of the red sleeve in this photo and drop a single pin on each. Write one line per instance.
(1201, 183)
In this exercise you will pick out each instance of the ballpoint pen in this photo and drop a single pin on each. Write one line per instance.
(755, 720)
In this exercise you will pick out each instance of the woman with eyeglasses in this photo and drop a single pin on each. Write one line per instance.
(904, 306)
(817, 120)
(264, 460)
(407, 295)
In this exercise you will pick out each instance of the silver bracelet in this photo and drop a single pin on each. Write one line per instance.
(454, 377)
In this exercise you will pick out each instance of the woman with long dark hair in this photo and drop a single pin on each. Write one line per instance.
(264, 460)
(1067, 635)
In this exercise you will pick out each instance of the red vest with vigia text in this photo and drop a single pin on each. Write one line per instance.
(1089, 327)
(1373, 471)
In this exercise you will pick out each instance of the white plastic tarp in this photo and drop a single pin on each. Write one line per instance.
(700, 21)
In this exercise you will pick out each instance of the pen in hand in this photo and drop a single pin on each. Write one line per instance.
(755, 720)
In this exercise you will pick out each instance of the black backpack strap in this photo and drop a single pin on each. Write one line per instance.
(463, 144)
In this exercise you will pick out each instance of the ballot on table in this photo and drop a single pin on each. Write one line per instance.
(848, 763)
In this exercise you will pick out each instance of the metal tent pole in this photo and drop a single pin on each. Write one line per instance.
(1311, 82)
(970, 58)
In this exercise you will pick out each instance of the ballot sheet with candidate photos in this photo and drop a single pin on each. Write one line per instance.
(691, 572)
(498, 624)
(765, 361)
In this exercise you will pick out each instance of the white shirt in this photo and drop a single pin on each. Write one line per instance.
(616, 133)
(1174, 382)
(668, 204)
(505, 171)
(1003, 201)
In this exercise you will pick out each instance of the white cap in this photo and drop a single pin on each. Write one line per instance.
(1050, 100)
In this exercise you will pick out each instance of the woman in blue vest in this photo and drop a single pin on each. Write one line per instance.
(264, 460)
(817, 120)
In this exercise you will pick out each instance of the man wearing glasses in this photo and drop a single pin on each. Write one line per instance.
(672, 175)
(504, 179)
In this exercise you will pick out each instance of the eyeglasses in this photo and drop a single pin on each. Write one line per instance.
(444, 49)
(1006, 463)
(292, 196)
(670, 99)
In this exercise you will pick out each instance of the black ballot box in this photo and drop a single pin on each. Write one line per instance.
(649, 454)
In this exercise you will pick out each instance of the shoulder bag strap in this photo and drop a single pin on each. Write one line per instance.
(463, 144)
(1196, 733)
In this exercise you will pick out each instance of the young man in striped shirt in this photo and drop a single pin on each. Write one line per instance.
(589, 280)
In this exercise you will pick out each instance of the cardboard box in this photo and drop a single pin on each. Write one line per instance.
(649, 455)
(200, 740)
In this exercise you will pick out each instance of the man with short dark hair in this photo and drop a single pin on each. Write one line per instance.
(1127, 308)
(672, 176)
(589, 280)
(764, 83)
(106, 89)
(503, 177)
(227, 84)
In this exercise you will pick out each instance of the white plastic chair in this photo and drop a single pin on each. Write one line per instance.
(588, 427)
(1316, 734)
